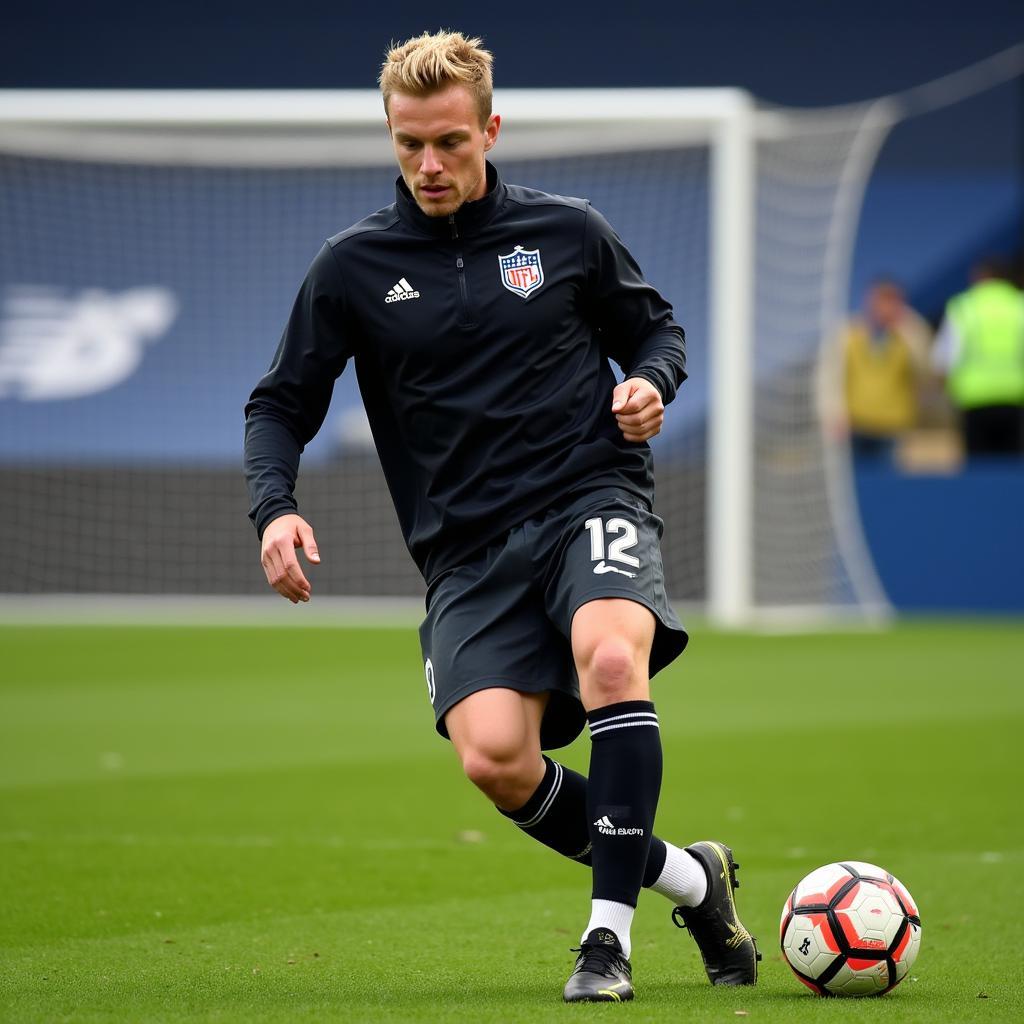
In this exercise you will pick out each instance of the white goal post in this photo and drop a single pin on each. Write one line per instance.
(782, 181)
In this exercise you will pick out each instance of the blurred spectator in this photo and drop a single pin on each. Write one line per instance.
(883, 358)
(980, 351)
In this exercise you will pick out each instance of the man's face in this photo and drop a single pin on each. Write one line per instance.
(440, 146)
(885, 305)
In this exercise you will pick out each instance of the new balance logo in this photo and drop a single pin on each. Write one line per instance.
(401, 291)
(57, 344)
(607, 828)
(602, 567)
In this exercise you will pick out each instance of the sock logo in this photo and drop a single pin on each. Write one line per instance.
(607, 828)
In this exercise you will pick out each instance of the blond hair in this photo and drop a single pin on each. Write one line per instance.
(432, 63)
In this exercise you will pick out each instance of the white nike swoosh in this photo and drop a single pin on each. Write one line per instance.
(602, 567)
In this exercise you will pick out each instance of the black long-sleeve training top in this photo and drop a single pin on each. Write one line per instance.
(481, 344)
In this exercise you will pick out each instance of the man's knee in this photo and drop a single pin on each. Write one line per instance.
(508, 777)
(611, 645)
(613, 671)
(496, 734)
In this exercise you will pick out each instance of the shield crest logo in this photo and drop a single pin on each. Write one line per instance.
(521, 271)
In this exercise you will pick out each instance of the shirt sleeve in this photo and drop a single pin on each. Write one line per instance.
(635, 322)
(288, 405)
(918, 335)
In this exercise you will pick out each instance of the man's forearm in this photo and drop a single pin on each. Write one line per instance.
(661, 359)
(271, 466)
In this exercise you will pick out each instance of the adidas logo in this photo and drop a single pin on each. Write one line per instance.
(607, 828)
(401, 291)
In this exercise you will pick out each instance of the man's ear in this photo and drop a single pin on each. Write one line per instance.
(491, 130)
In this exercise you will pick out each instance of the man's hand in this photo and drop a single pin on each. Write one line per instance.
(638, 408)
(281, 538)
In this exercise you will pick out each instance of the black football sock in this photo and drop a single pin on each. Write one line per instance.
(556, 815)
(622, 796)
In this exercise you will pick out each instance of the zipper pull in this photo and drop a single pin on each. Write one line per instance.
(459, 263)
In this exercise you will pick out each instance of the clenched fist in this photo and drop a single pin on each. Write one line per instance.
(638, 408)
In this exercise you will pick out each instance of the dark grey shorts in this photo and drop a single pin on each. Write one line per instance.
(504, 619)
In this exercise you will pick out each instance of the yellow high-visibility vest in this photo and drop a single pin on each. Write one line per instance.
(989, 366)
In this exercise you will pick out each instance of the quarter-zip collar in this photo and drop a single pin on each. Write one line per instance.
(468, 219)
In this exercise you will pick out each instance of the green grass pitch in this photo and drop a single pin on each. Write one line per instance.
(231, 825)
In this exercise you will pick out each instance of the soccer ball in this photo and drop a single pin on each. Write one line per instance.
(850, 929)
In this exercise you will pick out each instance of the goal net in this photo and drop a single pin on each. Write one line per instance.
(151, 245)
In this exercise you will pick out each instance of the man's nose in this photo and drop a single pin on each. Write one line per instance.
(430, 163)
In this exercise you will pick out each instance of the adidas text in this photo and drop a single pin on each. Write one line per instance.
(607, 828)
(401, 291)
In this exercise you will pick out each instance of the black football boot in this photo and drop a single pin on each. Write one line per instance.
(602, 974)
(728, 950)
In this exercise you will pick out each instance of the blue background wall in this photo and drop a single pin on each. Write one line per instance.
(947, 187)
(947, 543)
(807, 52)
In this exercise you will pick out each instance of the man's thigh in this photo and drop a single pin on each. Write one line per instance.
(486, 628)
(609, 546)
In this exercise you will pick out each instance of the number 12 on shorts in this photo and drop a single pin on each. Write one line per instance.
(624, 537)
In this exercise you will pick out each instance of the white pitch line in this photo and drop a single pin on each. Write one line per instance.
(240, 842)
(215, 611)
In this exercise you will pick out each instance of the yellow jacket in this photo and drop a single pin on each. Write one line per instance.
(880, 381)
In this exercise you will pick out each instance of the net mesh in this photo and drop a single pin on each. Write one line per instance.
(145, 277)
(807, 550)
